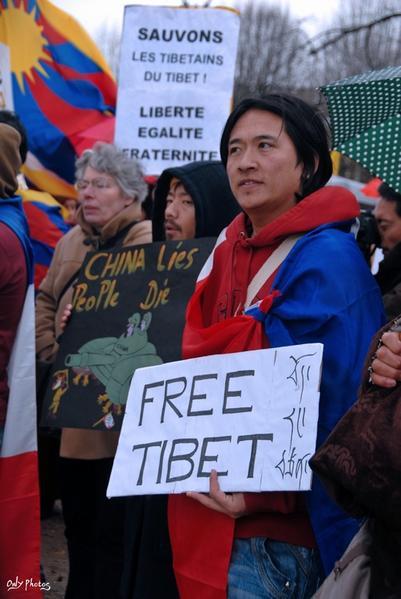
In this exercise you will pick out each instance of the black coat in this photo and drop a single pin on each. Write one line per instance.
(389, 280)
(148, 569)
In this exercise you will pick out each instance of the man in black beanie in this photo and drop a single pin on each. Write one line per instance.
(190, 201)
(194, 200)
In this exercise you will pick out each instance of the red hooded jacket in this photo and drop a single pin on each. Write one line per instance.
(202, 538)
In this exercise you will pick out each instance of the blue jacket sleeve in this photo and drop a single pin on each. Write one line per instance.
(327, 295)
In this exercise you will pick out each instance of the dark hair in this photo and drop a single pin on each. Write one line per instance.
(305, 126)
(388, 193)
(10, 118)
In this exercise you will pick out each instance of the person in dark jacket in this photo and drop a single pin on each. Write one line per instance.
(190, 201)
(207, 185)
(276, 153)
(19, 493)
(388, 217)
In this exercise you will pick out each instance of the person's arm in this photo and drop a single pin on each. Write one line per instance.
(46, 308)
(13, 283)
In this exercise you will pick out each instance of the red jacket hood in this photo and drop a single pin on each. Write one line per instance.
(327, 205)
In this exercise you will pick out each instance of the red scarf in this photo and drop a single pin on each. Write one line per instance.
(202, 538)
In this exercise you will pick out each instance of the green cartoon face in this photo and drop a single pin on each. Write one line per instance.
(135, 340)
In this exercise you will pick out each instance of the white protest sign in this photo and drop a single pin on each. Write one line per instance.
(6, 97)
(175, 83)
(251, 416)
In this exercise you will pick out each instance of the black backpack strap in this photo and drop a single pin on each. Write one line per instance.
(114, 242)
(67, 286)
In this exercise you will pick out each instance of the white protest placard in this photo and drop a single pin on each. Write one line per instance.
(251, 416)
(6, 97)
(175, 83)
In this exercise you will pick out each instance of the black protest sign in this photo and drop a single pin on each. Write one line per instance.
(128, 313)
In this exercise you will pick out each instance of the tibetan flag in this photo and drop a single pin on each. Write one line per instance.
(46, 228)
(61, 86)
(19, 487)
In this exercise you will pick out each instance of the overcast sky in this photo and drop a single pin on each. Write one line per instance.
(95, 13)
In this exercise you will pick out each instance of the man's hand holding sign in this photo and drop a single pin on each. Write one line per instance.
(231, 504)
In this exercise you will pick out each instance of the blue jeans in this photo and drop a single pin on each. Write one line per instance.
(263, 568)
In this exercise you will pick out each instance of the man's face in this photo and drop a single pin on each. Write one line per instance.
(179, 215)
(262, 167)
(389, 224)
(71, 205)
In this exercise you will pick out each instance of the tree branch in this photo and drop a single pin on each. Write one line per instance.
(338, 34)
(205, 4)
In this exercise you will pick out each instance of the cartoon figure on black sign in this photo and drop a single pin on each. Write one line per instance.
(113, 360)
(59, 386)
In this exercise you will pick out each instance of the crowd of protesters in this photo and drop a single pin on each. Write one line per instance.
(278, 222)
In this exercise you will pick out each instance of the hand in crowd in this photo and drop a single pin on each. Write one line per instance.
(66, 316)
(231, 504)
(386, 367)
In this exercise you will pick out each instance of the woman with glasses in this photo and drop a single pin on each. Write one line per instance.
(111, 190)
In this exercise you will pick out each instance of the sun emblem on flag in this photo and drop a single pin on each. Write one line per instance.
(27, 44)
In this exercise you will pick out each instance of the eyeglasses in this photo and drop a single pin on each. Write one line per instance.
(96, 183)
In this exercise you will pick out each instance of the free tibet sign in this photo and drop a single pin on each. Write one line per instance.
(175, 83)
(251, 416)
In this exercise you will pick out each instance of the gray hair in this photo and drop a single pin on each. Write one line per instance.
(108, 159)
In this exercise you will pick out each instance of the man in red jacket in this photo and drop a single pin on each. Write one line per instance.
(286, 271)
